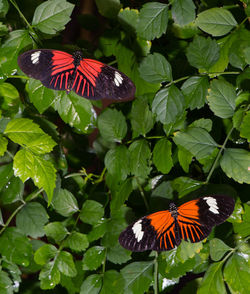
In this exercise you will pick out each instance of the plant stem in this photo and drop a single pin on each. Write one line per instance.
(142, 194)
(156, 273)
(218, 156)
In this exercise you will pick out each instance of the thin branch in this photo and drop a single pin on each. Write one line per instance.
(156, 273)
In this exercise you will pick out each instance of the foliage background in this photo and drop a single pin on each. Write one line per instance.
(68, 190)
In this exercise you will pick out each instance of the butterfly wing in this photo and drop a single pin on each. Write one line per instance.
(156, 231)
(196, 218)
(96, 80)
(52, 67)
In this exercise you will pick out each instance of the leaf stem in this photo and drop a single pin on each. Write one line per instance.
(142, 194)
(18, 77)
(33, 195)
(218, 156)
(156, 273)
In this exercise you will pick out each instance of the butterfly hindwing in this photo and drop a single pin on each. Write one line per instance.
(164, 230)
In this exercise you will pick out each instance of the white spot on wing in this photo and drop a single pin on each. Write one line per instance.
(118, 79)
(35, 57)
(212, 203)
(137, 230)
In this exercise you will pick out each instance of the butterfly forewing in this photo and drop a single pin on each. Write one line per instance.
(192, 221)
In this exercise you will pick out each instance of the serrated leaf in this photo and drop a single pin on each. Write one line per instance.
(183, 11)
(237, 280)
(49, 276)
(221, 98)
(108, 8)
(39, 95)
(213, 280)
(153, 20)
(56, 230)
(185, 185)
(197, 141)
(51, 16)
(244, 127)
(31, 219)
(187, 250)
(26, 133)
(92, 284)
(155, 69)
(162, 156)
(98, 230)
(203, 123)
(138, 277)
(140, 155)
(27, 165)
(44, 254)
(6, 173)
(168, 105)
(64, 202)
(91, 212)
(74, 110)
(4, 7)
(112, 125)
(216, 21)
(195, 91)
(77, 241)
(185, 158)
(128, 18)
(113, 283)
(15, 246)
(3, 145)
(6, 285)
(243, 227)
(117, 162)
(93, 258)
(202, 53)
(236, 164)
(65, 264)
(117, 254)
(218, 249)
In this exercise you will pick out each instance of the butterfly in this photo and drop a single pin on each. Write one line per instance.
(89, 78)
(164, 230)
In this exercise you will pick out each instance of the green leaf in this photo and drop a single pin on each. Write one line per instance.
(244, 127)
(221, 98)
(184, 185)
(187, 250)
(153, 20)
(39, 95)
(6, 286)
(31, 219)
(43, 173)
(243, 227)
(77, 241)
(213, 280)
(98, 230)
(3, 145)
(4, 7)
(197, 141)
(56, 230)
(164, 190)
(91, 212)
(203, 123)
(108, 8)
(185, 158)
(168, 105)
(140, 155)
(66, 264)
(15, 246)
(142, 120)
(162, 156)
(92, 285)
(49, 276)
(183, 11)
(195, 91)
(155, 69)
(129, 18)
(28, 134)
(6, 173)
(93, 258)
(74, 110)
(117, 254)
(64, 202)
(237, 280)
(236, 164)
(51, 16)
(117, 162)
(112, 125)
(202, 53)
(218, 249)
(216, 21)
(113, 283)
(44, 254)
(138, 277)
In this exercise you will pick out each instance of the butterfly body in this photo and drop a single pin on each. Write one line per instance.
(164, 230)
(89, 78)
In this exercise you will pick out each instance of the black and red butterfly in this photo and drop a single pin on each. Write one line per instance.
(164, 230)
(89, 78)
